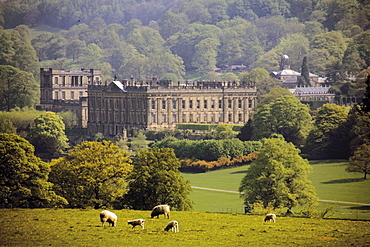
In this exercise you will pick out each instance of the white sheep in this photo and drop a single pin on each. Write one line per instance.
(161, 209)
(137, 222)
(107, 216)
(172, 225)
(270, 217)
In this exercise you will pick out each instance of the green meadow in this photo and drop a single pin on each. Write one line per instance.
(75, 227)
(330, 179)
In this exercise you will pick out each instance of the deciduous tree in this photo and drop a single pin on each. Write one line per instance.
(360, 161)
(157, 180)
(24, 177)
(278, 177)
(92, 174)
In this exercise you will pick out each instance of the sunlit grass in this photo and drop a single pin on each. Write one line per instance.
(62, 227)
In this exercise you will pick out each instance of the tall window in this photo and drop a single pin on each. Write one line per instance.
(220, 117)
(198, 118)
(81, 94)
(56, 95)
(153, 104)
(190, 117)
(205, 104)
(164, 119)
(174, 118)
(212, 103)
(173, 104)
(198, 103)
(250, 103)
(183, 118)
(212, 118)
(153, 118)
(239, 103)
(205, 117)
(63, 95)
(72, 95)
(183, 104)
(229, 103)
(220, 103)
(56, 80)
(230, 117)
(190, 103)
(240, 117)
(163, 104)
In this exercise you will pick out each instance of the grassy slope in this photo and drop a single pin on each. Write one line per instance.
(63, 227)
(328, 177)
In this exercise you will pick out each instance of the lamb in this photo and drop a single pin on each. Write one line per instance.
(161, 209)
(137, 222)
(270, 217)
(172, 225)
(107, 216)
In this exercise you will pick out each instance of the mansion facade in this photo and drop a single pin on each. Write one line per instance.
(65, 90)
(124, 106)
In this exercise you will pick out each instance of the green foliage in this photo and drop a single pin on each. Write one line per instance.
(360, 161)
(23, 177)
(69, 119)
(224, 131)
(156, 179)
(278, 177)
(92, 174)
(304, 79)
(47, 134)
(17, 88)
(328, 139)
(286, 116)
(6, 125)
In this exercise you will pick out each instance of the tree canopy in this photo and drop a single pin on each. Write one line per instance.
(156, 179)
(286, 116)
(278, 177)
(92, 174)
(24, 177)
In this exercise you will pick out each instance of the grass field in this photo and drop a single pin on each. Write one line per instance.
(68, 227)
(328, 177)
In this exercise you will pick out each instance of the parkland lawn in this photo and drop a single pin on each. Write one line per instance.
(329, 177)
(74, 227)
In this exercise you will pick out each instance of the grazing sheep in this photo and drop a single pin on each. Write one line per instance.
(107, 216)
(270, 217)
(161, 209)
(137, 222)
(172, 225)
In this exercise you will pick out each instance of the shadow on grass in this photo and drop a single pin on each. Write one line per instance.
(343, 181)
(245, 171)
(360, 208)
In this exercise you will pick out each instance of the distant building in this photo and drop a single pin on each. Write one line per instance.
(64, 90)
(124, 106)
(288, 77)
(313, 96)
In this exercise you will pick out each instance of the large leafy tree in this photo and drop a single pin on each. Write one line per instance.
(286, 116)
(157, 180)
(360, 161)
(327, 140)
(24, 177)
(17, 88)
(47, 134)
(278, 177)
(91, 174)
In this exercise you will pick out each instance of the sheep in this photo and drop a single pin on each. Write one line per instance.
(172, 225)
(270, 217)
(137, 222)
(161, 209)
(107, 216)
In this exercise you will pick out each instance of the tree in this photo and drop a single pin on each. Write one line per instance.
(69, 119)
(17, 88)
(23, 177)
(47, 134)
(278, 177)
(360, 161)
(92, 174)
(325, 141)
(286, 116)
(246, 131)
(304, 79)
(224, 131)
(6, 125)
(274, 93)
(156, 180)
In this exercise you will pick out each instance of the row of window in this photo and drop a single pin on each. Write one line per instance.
(63, 95)
(74, 80)
(206, 104)
(198, 118)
